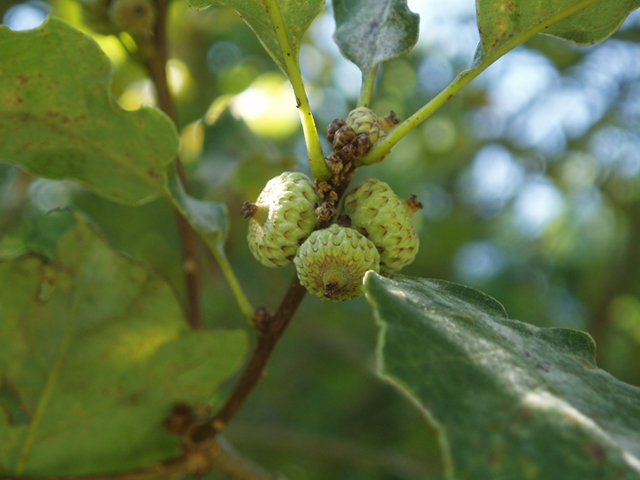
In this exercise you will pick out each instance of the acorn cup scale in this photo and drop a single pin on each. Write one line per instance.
(364, 120)
(377, 213)
(332, 262)
(282, 217)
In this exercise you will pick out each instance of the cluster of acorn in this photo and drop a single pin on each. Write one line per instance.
(351, 139)
(373, 232)
(136, 17)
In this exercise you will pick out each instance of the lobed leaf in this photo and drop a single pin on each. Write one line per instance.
(501, 20)
(373, 31)
(297, 15)
(58, 120)
(95, 353)
(509, 400)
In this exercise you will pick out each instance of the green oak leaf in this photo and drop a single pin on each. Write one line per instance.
(58, 120)
(95, 353)
(209, 219)
(373, 31)
(509, 400)
(297, 15)
(501, 20)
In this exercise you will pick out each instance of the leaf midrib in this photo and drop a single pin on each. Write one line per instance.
(45, 396)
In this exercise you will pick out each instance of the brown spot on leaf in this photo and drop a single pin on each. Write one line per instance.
(595, 451)
(22, 78)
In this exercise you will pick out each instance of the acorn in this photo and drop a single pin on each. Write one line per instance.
(364, 120)
(136, 17)
(377, 213)
(282, 217)
(332, 262)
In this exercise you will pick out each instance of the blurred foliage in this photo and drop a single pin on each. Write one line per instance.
(531, 183)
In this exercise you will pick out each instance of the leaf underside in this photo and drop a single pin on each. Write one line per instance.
(509, 400)
(373, 31)
(95, 353)
(58, 120)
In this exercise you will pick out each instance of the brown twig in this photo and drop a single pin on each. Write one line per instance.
(254, 370)
(156, 61)
(269, 335)
(218, 456)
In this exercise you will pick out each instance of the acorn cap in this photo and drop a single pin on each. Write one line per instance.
(282, 217)
(378, 214)
(332, 262)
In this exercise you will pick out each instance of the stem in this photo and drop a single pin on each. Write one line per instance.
(254, 370)
(366, 90)
(268, 336)
(241, 298)
(317, 163)
(394, 136)
(219, 456)
(157, 65)
(190, 263)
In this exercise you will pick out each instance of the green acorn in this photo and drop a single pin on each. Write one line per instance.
(377, 213)
(364, 120)
(282, 217)
(136, 17)
(332, 262)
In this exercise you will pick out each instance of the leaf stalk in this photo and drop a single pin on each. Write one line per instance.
(366, 90)
(317, 162)
(241, 298)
